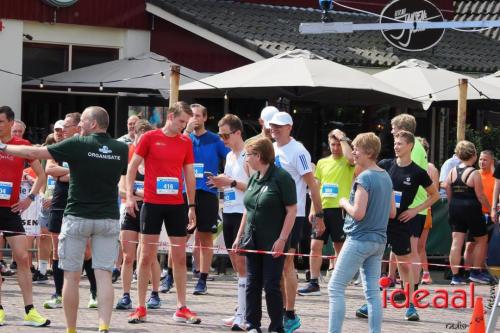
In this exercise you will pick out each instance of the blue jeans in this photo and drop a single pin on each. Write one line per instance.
(356, 254)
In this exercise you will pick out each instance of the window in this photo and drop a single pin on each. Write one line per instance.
(44, 59)
(88, 56)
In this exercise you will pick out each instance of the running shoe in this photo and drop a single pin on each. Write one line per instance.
(426, 278)
(457, 280)
(124, 303)
(154, 302)
(39, 278)
(362, 312)
(479, 277)
(33, 318)
(13, 265)
(291, 325)
(138, 316)
(2, 317)
(115, 275)
(228, 322)
(184, 315)
(167, 284)
(163, 274)
(201, 287)
(92, 304)
(411, 313)
(312, 289)
(54, 303)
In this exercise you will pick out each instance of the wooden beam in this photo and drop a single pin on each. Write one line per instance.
(462, 109)
(175, 75)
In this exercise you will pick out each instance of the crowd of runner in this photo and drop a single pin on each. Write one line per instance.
(102, 204)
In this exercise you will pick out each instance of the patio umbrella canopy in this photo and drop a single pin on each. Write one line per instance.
(299, 75)
(493, 79)
(428, 83)
(142, 65)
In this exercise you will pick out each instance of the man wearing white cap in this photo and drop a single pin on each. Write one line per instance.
(292, 156)
(266, 115)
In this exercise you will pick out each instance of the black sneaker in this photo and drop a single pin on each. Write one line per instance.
(115, 275)
(42, 279)
(13, 265)
(312, 289)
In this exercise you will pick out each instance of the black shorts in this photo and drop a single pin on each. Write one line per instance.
(131, 223)
(398, 237)
(296, 233)
(489, 229)
(10, 221)
(175, 217)
(55, 221)
(334, 226)
(207, 211)
(417, 225)
(230, 226)
(469, 218)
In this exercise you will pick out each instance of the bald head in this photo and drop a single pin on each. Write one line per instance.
(131, 121)
(94, 119)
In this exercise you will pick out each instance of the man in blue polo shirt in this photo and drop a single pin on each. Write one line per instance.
(209, 152)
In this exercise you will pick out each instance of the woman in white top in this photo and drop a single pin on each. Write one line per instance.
(234, 183)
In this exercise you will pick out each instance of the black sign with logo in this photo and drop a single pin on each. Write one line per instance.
(412, 11)
(60, 3)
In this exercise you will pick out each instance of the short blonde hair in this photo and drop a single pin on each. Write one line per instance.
(405, 122)
(465, 150)
(262, 146)
(406, 135)
(369, 143)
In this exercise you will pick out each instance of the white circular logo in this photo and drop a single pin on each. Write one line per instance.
(60, 3)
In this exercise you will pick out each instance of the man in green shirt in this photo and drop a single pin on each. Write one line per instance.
(334, 177)
(96, 162)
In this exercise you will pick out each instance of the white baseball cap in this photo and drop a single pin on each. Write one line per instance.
(267, 114)
(59, 124)
(281, 118)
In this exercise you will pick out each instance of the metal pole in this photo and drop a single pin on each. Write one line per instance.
(462, 109)
(174, 84)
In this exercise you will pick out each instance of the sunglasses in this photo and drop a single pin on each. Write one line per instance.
(226, 136)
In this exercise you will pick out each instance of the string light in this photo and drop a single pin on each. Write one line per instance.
(41, 84)
(225, 96)
(101, 88)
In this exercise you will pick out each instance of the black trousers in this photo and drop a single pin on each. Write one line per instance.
(264, 271)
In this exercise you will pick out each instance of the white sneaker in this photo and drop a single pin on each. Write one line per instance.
(228, 322)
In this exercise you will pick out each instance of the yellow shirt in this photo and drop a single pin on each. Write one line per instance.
(335, 178)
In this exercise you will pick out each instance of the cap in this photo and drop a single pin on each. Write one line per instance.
(59, 124)
(282, 118)
(267, 114)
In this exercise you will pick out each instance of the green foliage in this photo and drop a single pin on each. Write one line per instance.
(483, 140)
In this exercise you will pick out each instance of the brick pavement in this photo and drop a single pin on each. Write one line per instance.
(220, 304)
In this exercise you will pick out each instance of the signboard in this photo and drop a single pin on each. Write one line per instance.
(60, 3)
(412, 11)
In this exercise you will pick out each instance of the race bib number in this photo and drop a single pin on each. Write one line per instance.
(5, 190)
(138, 185)
(199, 168)
(397, 197)
(51, 183)
(330, 190)
(167, 185)
(229, 196)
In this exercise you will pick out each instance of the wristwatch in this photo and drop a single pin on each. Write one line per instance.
(234, 183)
(32, 196)
(3, 146)
(319, 215)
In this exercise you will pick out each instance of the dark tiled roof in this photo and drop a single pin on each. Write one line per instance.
(271, 30)
(479, 10)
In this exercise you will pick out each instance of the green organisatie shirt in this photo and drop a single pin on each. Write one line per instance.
(265, 202)
(419, 156)
(96, 163)
(335, 178)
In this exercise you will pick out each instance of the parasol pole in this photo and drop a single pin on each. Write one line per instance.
(462, 109)
(174, 84)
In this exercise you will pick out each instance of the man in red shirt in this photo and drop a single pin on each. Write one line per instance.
(10, 208)
(168, 158)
